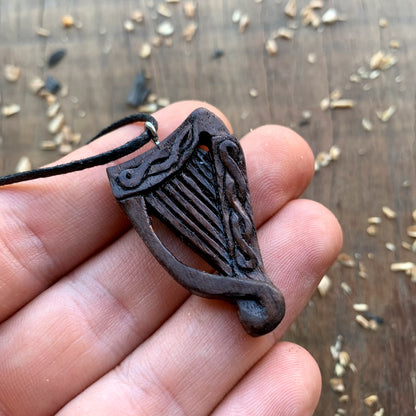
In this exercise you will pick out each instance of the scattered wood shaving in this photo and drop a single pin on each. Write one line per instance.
(11, 73)
(381, 60)
(285, 33)
(374, 220)
(271, 46)
(291, 8)
(343, 103)
(394, 44)
(367, 124)
(346, 260)
(10, 110)
(331, 16)
(383, 22)
(386, 115)
(253, 92)
(189, 9)
(145, 50)
(371, 400)
(128, 25)
(337, 385)
(390, 246)
(311, 58)
(137, 16)
(346, 288)
(43, 32)
(164, 10)
(402, 266)
(189, 31)
(388, 212)
(360, 319)
(165, 29)
(23, 165)
(67, 21)
(372, 230)
(236, 16)
(244, 23)
(360, 307)
(324, 285)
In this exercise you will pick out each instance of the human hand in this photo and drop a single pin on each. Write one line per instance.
(93, 325)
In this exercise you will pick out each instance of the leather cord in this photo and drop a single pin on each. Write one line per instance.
(100, 159)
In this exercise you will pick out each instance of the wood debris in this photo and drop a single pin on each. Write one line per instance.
(189, 31)
(324, 285)
(372, 230)
(381, 60)
(128, 25)
(53, 109)
(244, 23)
(402, 266)
(371, 400)
(67, 21)
(311, 58)
(271, 46)
(360, 307)
(390, 246)
(310, 17)
(166, 28)
(337, 385)
(43, 32)
(145, 50)
(346, 288)
(367, 124)
(189, 8)
(346, 260)
(253, 92)
(11, 73)
(316, 4)
(388, 212)
(291, 9)
(342, 103)
(164, 10)
(23, 165)
(10, 110)
(137, 16)
(56, 124)
(387, 114)
(394, 44)
(374, 220)
(383, 22)
(331, 16)
(236, 16)
(285, 33)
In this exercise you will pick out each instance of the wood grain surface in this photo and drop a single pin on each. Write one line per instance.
(376, 168)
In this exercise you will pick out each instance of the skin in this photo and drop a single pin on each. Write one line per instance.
(92, 325)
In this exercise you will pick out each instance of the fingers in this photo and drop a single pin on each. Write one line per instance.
(106, 307)
(202, 351)
(49, 226)
(286, 382)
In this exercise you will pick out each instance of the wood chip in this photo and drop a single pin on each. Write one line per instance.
(339, 370)
(164, 10)
(309, 17)
(371, 400)
(11, 73)
(56, 124)
(148, 108)
(311, 58)
(346, 288)
(346, 260)
(344, 398)
(390, 246)
(380, 412)
(324, 285)
(381, 60)
(244, 23)
(394, 44)
(48, 145)
(324, 104)
(337, 385)
(343, 103)
(67, 21)
(53, 109)
(411, 231)
(389, 213)
(271, 46)
(145, 50)
(285, 33)
(253, 92)
(291, 8)
(65, 148)
(386, 115)
(137, 16)
(189, 8)
(344, 358)
(166, 28)
(360, 319)
(360, 307)
(334, 152)
(383, 22)
(163, 102)
(23, 165)
(372, 230)
(128, 25)
(189, 31)
(367, 124)
(236, 16)
(401, 266)
(374, 220)
(331, 16)
(43, 32)
(10, 110)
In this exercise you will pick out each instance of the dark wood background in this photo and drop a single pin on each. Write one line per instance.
(376, 168)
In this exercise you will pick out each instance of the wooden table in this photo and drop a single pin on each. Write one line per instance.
(376, 168)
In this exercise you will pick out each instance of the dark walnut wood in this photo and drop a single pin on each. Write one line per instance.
(195, 182)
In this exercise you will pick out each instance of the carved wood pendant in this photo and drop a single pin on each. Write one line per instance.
(195, 182)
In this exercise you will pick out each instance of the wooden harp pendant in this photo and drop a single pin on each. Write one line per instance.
(195, 182)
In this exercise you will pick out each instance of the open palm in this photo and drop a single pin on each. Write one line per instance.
(93, 325)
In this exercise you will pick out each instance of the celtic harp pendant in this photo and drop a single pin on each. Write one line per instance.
(195, 183)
